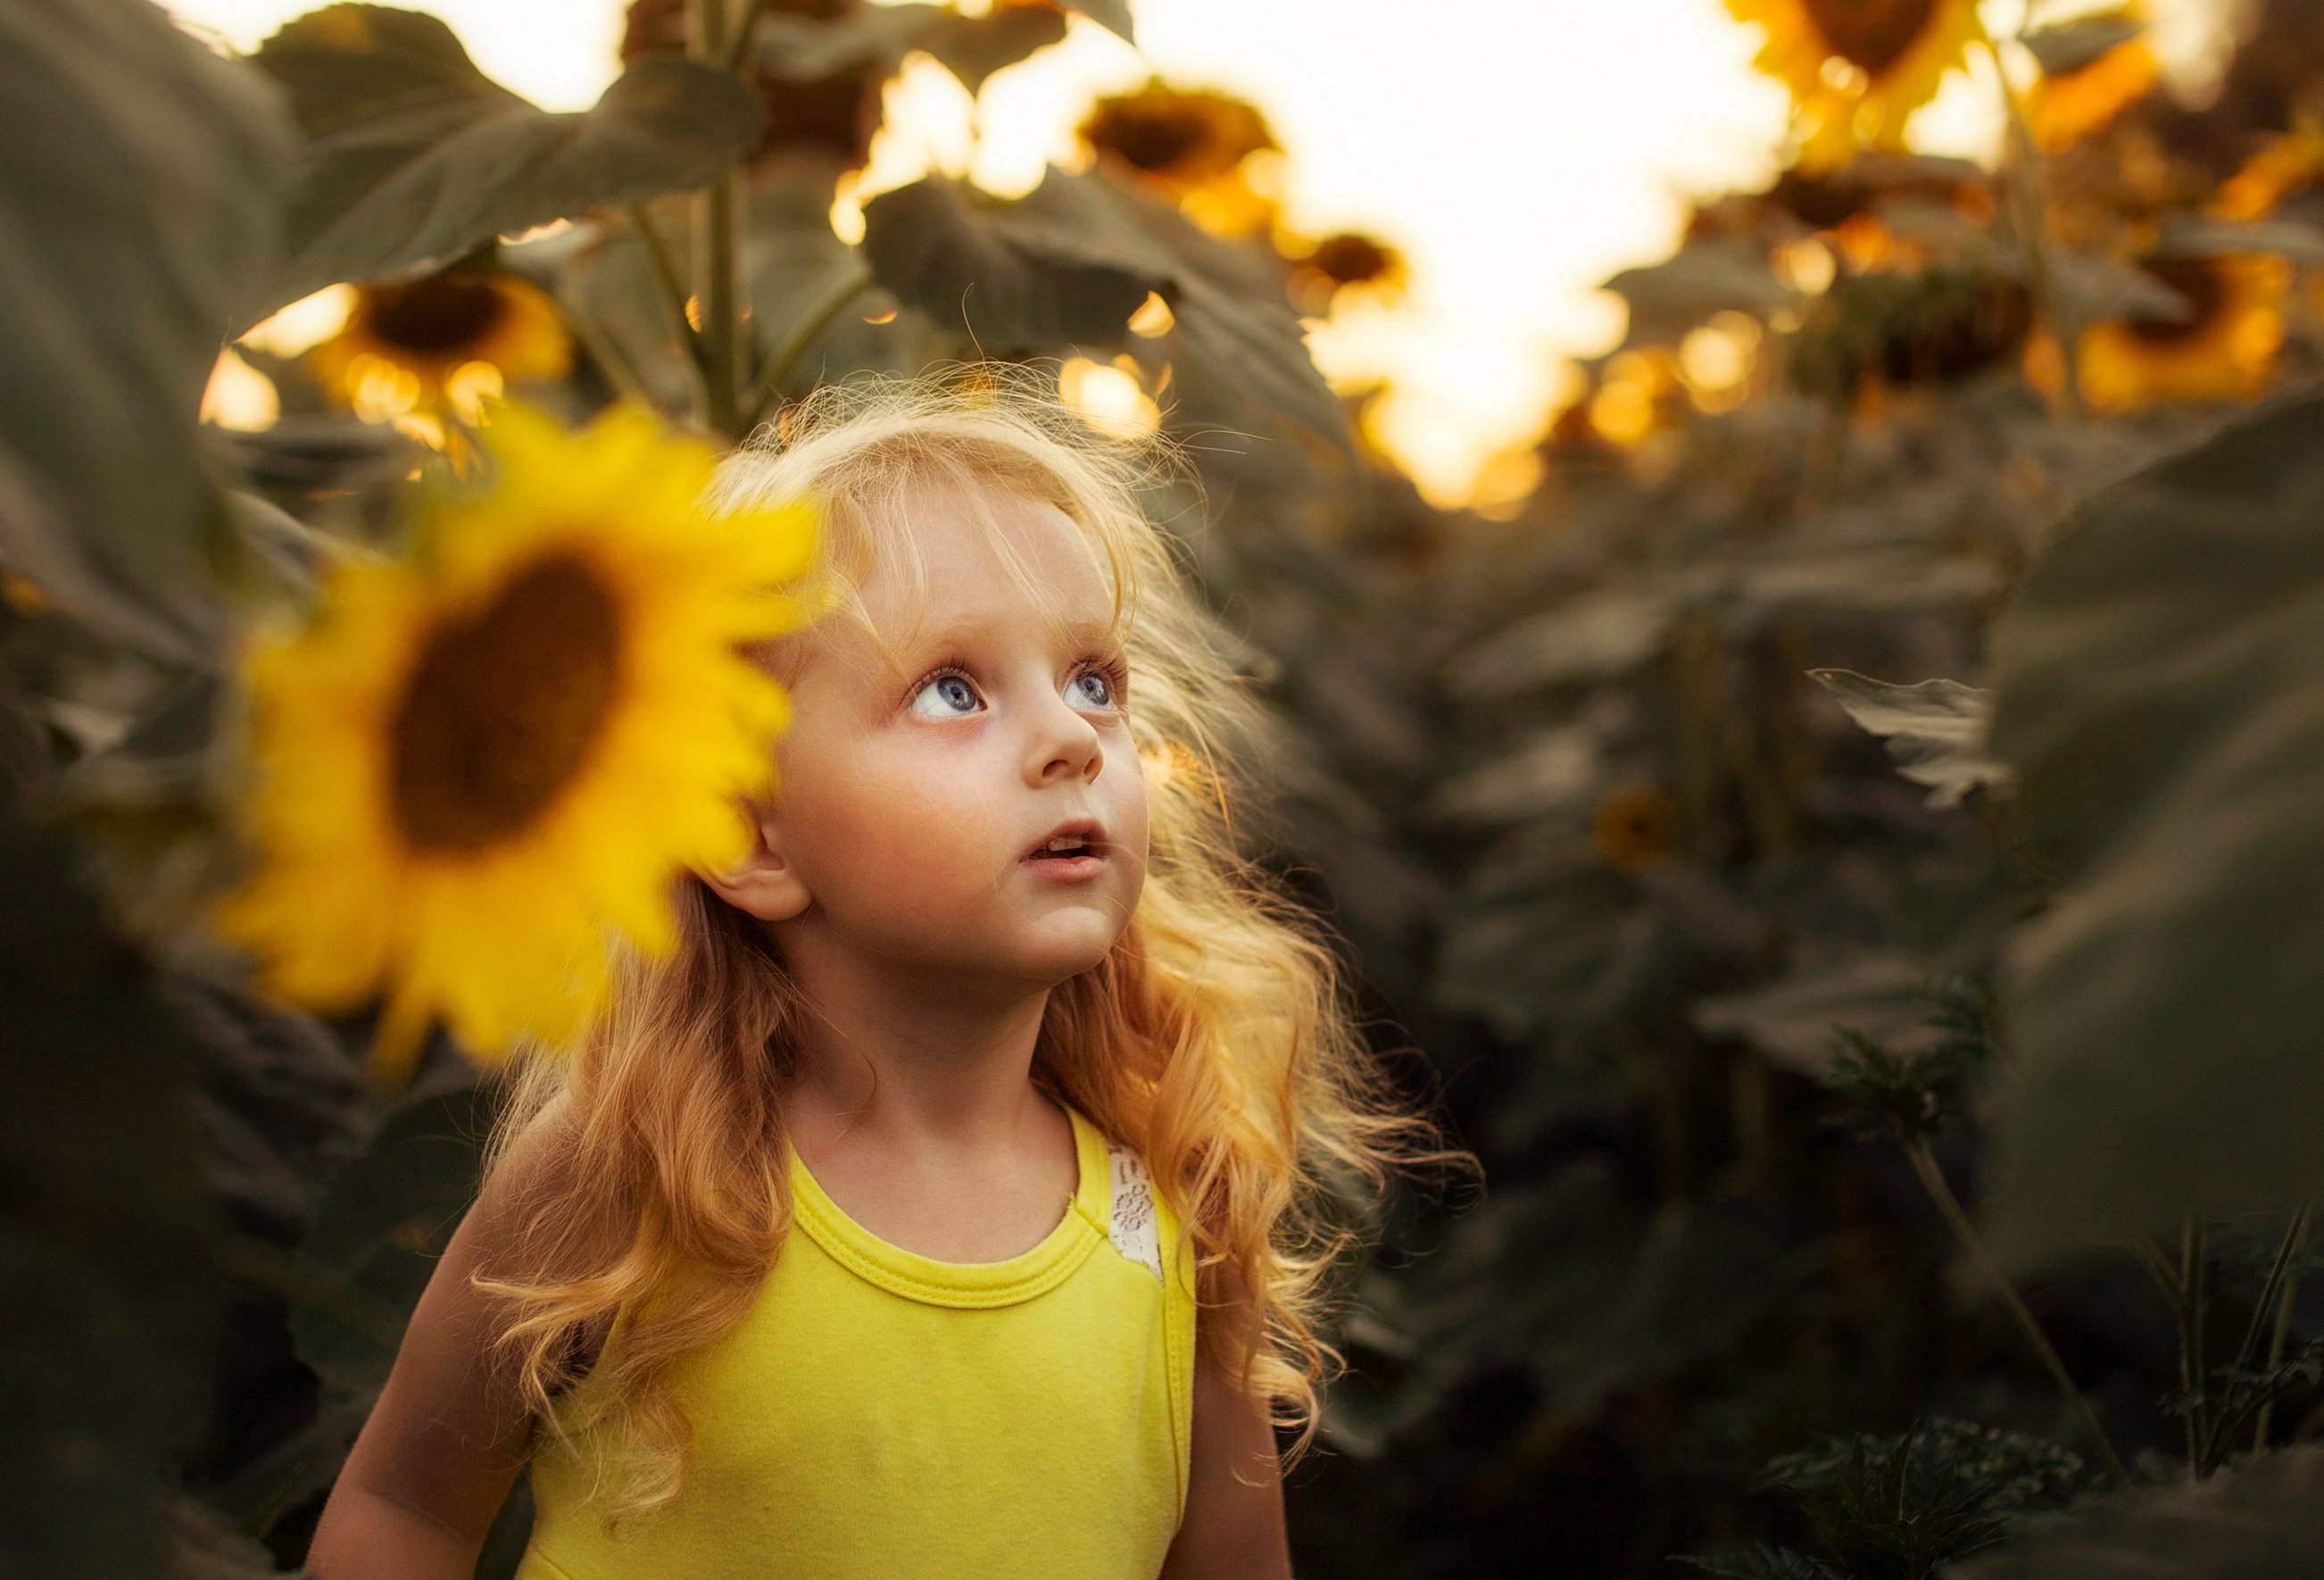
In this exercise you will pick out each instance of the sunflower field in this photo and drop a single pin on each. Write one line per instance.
(1846, 851)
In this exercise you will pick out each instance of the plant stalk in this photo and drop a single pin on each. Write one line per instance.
(670, 277)
(2028, 188)
(2293, 1241)
(737, 48)
(718, 240)
(850, 282)
(2193, 1377)
(610, 358)
(1932, 1178)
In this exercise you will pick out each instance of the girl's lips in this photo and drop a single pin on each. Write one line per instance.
(1069, 851)
(1066, 869)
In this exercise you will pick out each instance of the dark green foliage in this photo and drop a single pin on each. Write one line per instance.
(1764, 1563)
(415, 156)
(2158, 693)
(1073, 259)
(1902, 1507)
(1008, 274)
(107, 1294)
(139, 180)
(1908, 1097)
(380, 1230)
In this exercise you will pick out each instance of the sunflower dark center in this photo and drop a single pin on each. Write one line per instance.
(502, 709)
(433, 317)
(2204, 285)
(1152, 137)
(1350, 259)
(1872, 35)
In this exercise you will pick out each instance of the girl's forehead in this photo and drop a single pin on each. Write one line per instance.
(947, 552)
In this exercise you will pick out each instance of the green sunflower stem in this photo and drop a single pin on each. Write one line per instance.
(2028, 186)
(712, 26)
(738, 42)
(669, 279)
(1932, 1178)
(852, 280)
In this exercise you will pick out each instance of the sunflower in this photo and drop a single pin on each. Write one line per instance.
(477, 767)
(2222, 350)
(1348, 258)
(1189, 145)
(1858, 69)
(2067, 107)
(1634, 826)
(413, 345)
(2288, 165)
(1175, 139)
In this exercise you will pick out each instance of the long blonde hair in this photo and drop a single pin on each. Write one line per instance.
(1215, 1037)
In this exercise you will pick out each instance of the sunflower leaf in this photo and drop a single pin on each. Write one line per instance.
(2226, 238)
(140, 178)
(380, 1228)
(972, 47)
(2158, 695)
(1936, 731)
(1668, 299)
(1007, 274)
(415, 156)
(1113, 15)
(1071, 260)
(2069, 46)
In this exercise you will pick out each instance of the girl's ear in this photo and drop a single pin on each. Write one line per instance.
(763, 884)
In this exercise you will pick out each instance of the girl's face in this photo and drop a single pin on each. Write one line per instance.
(967, 802)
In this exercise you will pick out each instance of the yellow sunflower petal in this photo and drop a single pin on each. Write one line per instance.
(1858, 69)
(2225, 351)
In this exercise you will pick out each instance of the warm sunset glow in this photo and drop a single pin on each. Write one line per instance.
(1530, 150)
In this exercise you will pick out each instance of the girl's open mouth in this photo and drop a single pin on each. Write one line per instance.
(1071, 850)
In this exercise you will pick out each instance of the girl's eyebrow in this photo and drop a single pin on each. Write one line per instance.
(1081, 634)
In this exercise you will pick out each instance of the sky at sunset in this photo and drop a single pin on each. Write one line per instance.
(1517, 152)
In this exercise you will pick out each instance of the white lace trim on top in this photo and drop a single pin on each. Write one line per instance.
(1132, 1225)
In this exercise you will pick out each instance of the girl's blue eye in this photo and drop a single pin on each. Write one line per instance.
(947, 697)
(1091, 688)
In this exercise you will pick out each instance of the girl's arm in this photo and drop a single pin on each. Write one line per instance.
(433, 1464)
(1233, 1524)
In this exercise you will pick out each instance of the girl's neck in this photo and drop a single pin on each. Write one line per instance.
(922, 1063)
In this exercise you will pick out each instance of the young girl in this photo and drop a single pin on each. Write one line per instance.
(954, 1202)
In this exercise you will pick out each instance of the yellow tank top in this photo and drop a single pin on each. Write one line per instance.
(882, 1415)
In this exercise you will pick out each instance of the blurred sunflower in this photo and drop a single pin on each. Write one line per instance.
(2078, 97)
(1348, 258)
(1189, 145)
(476, 768)
(420, 345)
(1635, 825)
(2221, 350)
(2288, 165)
(1858, 69)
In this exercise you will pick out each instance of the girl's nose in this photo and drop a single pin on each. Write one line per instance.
(1066, 746)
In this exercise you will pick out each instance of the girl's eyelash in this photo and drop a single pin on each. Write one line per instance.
(1113, 667)
(949, 667)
